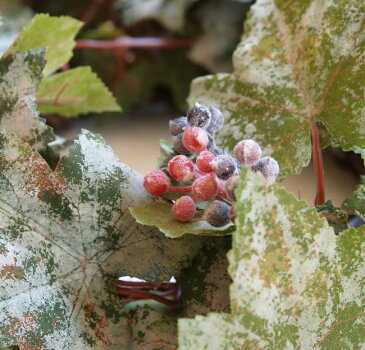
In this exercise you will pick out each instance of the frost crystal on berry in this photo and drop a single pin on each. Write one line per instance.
(268, 166)
(203, 161)
(216, 120)
(181, 168)
(183, 209)
(224, 166)
(199, 116)
(156, 182)
(205, 188)
(195, 139)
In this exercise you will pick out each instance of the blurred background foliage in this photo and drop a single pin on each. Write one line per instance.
(204, 34)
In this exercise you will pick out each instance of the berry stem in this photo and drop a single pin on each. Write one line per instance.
(318, 165)
(127, 42)
(176, 189)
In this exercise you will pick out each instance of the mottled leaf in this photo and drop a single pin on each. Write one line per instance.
(296, 285)
(76, 91)
(65, 236)
(54, 33)
(296, 63)
(159, 215)
(20, 75)
(336, 217)
(170, 13)
(205, 285)
(356, 203)
(152, 330)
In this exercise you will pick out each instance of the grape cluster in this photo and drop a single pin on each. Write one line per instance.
(208, 173)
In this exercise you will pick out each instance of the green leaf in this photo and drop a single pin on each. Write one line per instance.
(54, 33)
(295, 65)
(20, 75)
(296, 285)
(76, 91)
(170, 13)
(159, 215)
(356, 203)
(166, 153)
(205, 285)
(152, 330)
(65, 236)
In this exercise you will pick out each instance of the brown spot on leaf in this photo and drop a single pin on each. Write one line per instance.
(12, 272)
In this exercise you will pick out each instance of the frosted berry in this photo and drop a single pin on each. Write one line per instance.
(205, 188)
(268, 166)
(203, 161)
(217, 151)
(216, 120)
(183, 209)
(195, 139)
(199, 116)
(217, 213)
(176, 126)
(231, 186)
(224, 166)
(178, 146)
(221, 193)
(156, 182)
(247, 152)
(181, 168)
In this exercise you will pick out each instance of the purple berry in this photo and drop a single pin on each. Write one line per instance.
(216, 121)
(178, 145)
(268, 166)
(224, 166)
(217, 213)
(176, 126)
(199, 116)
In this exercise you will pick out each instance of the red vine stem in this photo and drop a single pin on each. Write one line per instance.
(127, 42)
(318, 165)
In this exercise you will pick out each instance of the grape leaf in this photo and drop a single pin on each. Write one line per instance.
(205, 285)
(65, 236)
(20, 75)
(152, 330)
(297, 63)
(356, 203)
(159, 215)
(170, 13)
(55, 33)
(76, 91)
(296, 285)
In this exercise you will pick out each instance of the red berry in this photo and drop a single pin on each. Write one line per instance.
(181, 168)
(221, 193)
(156, 182)
(195, 139)
(203, 161)
(205, 188)
(183, 209)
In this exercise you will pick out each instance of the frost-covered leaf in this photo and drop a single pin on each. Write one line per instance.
(295, 64)
(170, 13)
(20, 75)
(13, 17)
(336, 217)
(296, 285)
(205, 285)
(65, 236)
(159, 215)
(55, 33)
(213, 48)
(356, 203)
(152, 330)
(76, 91)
